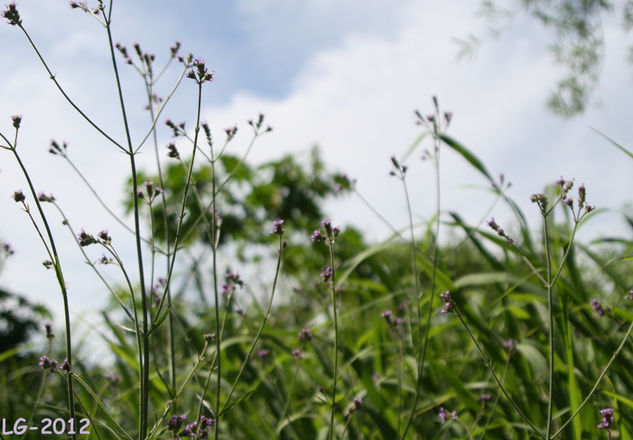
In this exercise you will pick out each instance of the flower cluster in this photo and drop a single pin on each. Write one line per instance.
(297, 354)
(437, 122)
(47, 363)
(257, 125)
(393, 323)
(12, 15)
(445, 415)
(305, 335)
(232, 280)
(399, 170)
(278, 228)
(448, 302)
(495, 227)
(356, 405)
(327, 274)
(150, 193)
(510, 344)
(16, 120)
(327, 232)
(56, 149)
(175, 423)
(86, 239)
(596, 305)
(607, 418)
(199, 72)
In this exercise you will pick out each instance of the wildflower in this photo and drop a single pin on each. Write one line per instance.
(263, 353)
(493, 224)
(19, 196)
(446, 415)
(327, 274)
(47, 363)
(607, 418)
(175, 422)
(199, 72)
(305, 334)
(56, 149)
(174, 49)
(86, 239)
(297, 354)
(317, 236)
(230, 133)
(631, 294)
(16, 121)
(48, 264)
(448, 301)
(510, 344)
(12, 15)
(232, 280)
(209, 337)
(484, 397)
(278, 227)
(104, 236)
(356, 405)
(596, 305)
(65, 366)
(386, 314)
(569, 202)
(540, 200)
(44, 198)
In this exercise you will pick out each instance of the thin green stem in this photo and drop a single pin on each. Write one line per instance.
(550, 392)
(334, 307)
(145, 367)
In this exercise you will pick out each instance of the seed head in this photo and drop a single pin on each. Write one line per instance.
(18, 196)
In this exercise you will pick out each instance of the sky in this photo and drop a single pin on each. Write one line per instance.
(343, 75)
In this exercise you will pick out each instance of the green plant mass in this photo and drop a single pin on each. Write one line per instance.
(239, 307)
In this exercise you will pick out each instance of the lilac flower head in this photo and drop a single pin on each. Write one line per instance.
(175, 422)
(263, 353)
(448, 302)
(445, 415)
(317, 236)
(510, 344)
(278, 227)
(327, 274)
(47, 363)
(305, 334)
(596, 305)
(607, 418)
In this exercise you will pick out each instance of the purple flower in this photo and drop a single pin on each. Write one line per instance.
(278, 227)
(263, 353)
(175, 422)
(327, 274)
(386, 314)
(510, 344)
(445, 415)
(596, 305)
(448, 302)
(607, 418)
(47, 363)
(297, 354)
(305, 334)
(12, 15)
(16, 120)
(484, 397)
(317, 236)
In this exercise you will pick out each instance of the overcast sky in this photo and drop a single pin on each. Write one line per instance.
(344, 75)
